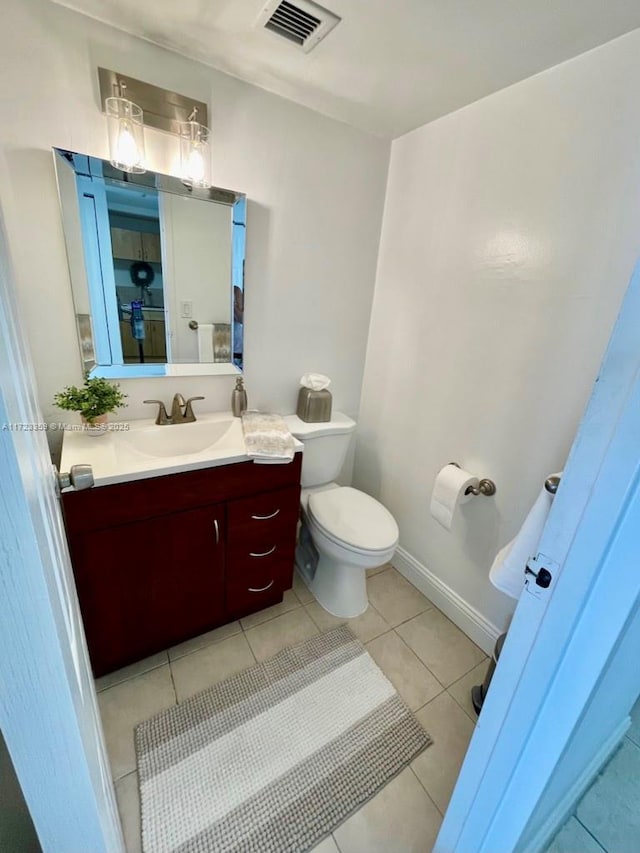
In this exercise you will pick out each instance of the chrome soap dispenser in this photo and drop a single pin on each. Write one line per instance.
(238, 398)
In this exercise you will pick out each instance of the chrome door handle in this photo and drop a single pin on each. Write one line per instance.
(217, 529)
(262, 588)
(264, 553)
(265, 517)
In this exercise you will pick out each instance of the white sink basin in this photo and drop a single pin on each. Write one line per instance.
(141, 449)
(178, 439)
(138, 449)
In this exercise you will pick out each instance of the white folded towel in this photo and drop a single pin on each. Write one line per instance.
(205, 343)
(507, 571)
(267, 438)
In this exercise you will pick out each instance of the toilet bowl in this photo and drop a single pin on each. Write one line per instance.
(344, 531)
(352, 532)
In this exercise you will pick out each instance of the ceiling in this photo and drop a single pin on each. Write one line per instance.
(390, 65)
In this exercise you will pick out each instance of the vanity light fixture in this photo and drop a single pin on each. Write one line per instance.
(183, 117)
(126, 132)
(195, 152)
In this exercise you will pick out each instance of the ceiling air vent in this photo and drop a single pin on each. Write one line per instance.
(302, 23)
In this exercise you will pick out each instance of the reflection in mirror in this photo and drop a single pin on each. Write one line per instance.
(156, 268)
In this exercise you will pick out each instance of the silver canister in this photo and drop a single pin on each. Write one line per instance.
(314, 407)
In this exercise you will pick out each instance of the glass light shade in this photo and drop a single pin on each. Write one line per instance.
(195, 154)
(126, 135)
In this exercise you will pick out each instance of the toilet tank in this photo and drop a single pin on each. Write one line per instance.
(325, 446)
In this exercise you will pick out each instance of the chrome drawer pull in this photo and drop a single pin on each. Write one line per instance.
(264, 553)
(217, 528)
(262, 588)
(265, 517)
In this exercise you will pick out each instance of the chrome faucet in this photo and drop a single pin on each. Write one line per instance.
(181, 411)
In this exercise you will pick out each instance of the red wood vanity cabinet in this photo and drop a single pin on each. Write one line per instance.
(160, 560)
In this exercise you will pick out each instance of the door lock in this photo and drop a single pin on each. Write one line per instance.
(543, 576)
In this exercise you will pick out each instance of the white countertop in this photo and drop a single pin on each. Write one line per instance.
(119, 457)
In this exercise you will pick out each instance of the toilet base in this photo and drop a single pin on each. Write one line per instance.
(340, 588)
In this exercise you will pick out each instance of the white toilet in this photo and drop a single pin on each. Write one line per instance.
(344, 531)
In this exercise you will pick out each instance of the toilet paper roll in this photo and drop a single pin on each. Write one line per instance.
(449, 491)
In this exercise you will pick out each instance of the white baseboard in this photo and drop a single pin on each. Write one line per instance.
(565, 806)
(483, 632)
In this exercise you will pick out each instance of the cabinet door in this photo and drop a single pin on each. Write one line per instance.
(129, 344)
(150, 584)
(151, 247)
(158, 343)
(126, 244)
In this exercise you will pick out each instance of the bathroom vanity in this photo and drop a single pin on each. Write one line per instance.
(160, 557)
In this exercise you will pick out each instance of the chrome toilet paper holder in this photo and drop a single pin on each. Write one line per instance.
(485, 486)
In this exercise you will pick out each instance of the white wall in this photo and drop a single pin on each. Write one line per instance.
(510, 232)
(315, 189)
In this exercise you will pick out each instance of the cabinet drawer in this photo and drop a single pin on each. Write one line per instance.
(260, 519)
(254, 583)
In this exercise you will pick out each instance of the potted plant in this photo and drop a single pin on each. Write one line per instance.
(93, 401)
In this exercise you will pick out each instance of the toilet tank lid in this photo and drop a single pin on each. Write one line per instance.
(338, 425)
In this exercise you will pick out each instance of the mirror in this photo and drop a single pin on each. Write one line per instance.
(156, 268)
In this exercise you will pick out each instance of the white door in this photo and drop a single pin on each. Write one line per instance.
(48, 709)
(563, 639)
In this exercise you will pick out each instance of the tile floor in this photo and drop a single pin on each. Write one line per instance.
(429, 660)
(607, 818)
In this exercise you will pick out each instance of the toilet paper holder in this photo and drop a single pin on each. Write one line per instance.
(485, 486)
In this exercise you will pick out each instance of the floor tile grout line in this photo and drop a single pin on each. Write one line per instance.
(588, 831)
(310, 615)
(473, 719)
(173, 683)
(131, 677)
(375, 610)
(465, 674)
(384, 634)
(475, 666)
(417, 656)
(271, 618)
(415, 615)
(429, 797)
(126, 775)
(459, 678)
(419, 659)
(253, 654)
(335, 840)
(205, 646)
(422, 707)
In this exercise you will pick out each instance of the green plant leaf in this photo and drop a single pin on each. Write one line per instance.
(97, 397)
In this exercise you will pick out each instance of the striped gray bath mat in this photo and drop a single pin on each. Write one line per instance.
(273, 759)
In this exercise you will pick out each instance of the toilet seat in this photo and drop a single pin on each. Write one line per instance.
(353, 519)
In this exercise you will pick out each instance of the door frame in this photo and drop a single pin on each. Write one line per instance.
(562, 639)
(48, 706)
